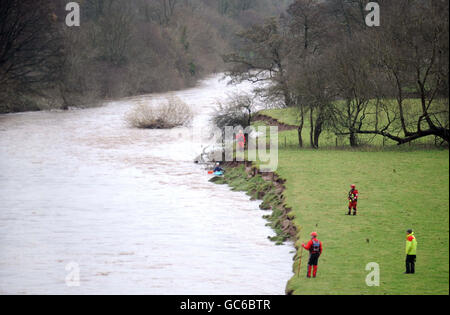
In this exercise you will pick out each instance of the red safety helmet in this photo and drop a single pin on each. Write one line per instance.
(314, 234)
(353, 186)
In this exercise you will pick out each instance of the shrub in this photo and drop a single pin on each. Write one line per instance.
(236, 111)
(173, 113)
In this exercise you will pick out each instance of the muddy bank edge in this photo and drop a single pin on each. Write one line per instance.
(268, 187)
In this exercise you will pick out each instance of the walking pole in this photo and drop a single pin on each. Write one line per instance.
(300, 263)
(301, 253)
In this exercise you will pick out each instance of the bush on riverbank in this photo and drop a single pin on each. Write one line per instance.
(174, 113)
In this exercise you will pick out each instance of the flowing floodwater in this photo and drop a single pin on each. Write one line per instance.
(126, 209)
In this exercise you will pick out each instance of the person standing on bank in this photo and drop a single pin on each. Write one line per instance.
(353, 196)
(411, 252)
(240, 139)
(315, 248)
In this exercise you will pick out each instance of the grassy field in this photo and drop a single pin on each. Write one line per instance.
(399, 189)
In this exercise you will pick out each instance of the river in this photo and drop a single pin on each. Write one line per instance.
(126, 211)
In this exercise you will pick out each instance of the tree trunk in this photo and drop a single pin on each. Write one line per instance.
(65, 104)
(311, 131)
(353, 139)
(300, 127)
(317, 133)
(287, 97)
(300, 137)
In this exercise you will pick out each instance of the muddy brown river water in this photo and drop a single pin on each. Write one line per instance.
(125, 211)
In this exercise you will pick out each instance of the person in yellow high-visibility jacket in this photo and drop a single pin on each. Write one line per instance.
(411, 252)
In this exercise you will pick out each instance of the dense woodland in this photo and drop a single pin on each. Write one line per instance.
(122, 47)
(318, 56)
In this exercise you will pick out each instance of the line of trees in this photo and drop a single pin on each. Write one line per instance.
(351, 79)
(29, 51)
(122, 48)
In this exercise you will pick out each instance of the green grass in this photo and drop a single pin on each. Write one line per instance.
(415, 196)
(288, 116)
(400, 189)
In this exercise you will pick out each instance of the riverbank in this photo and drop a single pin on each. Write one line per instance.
(399, 189)
(268, 187)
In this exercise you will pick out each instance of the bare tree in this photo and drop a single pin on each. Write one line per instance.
(236, 111)
(308, 35)
(29, 47)
(308, 25)
(355, 84)
(160, 10)
(115, 33)
(315, 95)
(412, 51)
(262, 59)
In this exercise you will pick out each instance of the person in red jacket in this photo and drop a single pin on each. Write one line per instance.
(315, 249)
(240, 139)
(353, 200)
